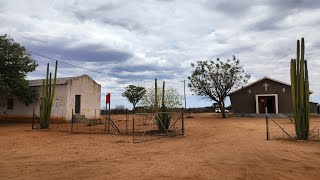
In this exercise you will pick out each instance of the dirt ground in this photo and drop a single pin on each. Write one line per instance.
(213, 148)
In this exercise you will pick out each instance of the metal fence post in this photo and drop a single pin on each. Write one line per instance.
(126, 121)
(133, 129)
(182, 121)
(105, 124)
(108, 121)
(267, 124)
(33, 119)
(72, 121)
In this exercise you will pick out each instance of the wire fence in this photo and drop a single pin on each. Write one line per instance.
(141, 126)
(147, 126)
(86, 121)
(64, 115)
(284, 128)
(3, 116)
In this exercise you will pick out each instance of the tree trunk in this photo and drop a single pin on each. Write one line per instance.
(134, 108)
(222, 108)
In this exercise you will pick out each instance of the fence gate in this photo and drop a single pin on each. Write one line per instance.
(145, 126)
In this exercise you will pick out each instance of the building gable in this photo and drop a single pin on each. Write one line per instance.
(251, 98)
(265, 82)
(264, 86)
(59, 81)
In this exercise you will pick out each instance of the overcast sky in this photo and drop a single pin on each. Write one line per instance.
(137, 41)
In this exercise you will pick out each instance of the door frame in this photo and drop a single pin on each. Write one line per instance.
(75, 103)
(275, 97)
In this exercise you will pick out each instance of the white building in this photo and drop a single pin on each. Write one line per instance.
(79, 94)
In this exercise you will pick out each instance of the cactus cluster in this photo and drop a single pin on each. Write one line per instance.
(300, 92)
(164, 120)
(48, 90)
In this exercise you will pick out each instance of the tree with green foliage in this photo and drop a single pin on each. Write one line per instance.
(215, 105)
(134, 94)
(172, 98)
(216, 79)
(15, 63)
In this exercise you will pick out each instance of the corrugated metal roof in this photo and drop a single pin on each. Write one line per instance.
(59, 81)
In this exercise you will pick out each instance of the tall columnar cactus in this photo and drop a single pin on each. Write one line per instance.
(163, 121)
(164, 116)
(300, 93)
(48, 90)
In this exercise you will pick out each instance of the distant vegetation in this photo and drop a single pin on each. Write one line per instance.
(119, 109)
(134, 94)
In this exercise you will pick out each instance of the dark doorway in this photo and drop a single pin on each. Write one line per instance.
(10, 104)
(267, 101)
(77, 104)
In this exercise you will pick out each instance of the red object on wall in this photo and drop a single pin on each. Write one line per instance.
(108, 98)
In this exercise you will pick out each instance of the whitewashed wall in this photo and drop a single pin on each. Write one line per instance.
(63, 103)
(90, 96)
(22, 112)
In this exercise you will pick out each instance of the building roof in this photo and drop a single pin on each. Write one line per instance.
(59, 81)
(271, 79)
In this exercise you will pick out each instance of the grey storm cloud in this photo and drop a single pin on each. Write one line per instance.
(293, 4)
(103, 14)
(139, 68)
(93, 53)
(237, 8)
(279, 10)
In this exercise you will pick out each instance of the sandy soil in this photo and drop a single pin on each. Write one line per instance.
(213, 148)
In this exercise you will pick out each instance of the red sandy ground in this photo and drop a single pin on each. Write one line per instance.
(213, 148)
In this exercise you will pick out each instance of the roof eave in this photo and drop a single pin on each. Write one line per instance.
(265, 77)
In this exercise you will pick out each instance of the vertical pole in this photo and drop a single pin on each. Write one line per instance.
(267, 124)
(105, 123)
(155, 96)
(90, 123)
(108, 119)
(185, 98)
(62, 119)
(133, 129)
(126, 121)
(109, 115)
(108, 126)
(72, 121)
(32, 118)
(182, 121)
(109, 110)
(77, 125)
(67, 120)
